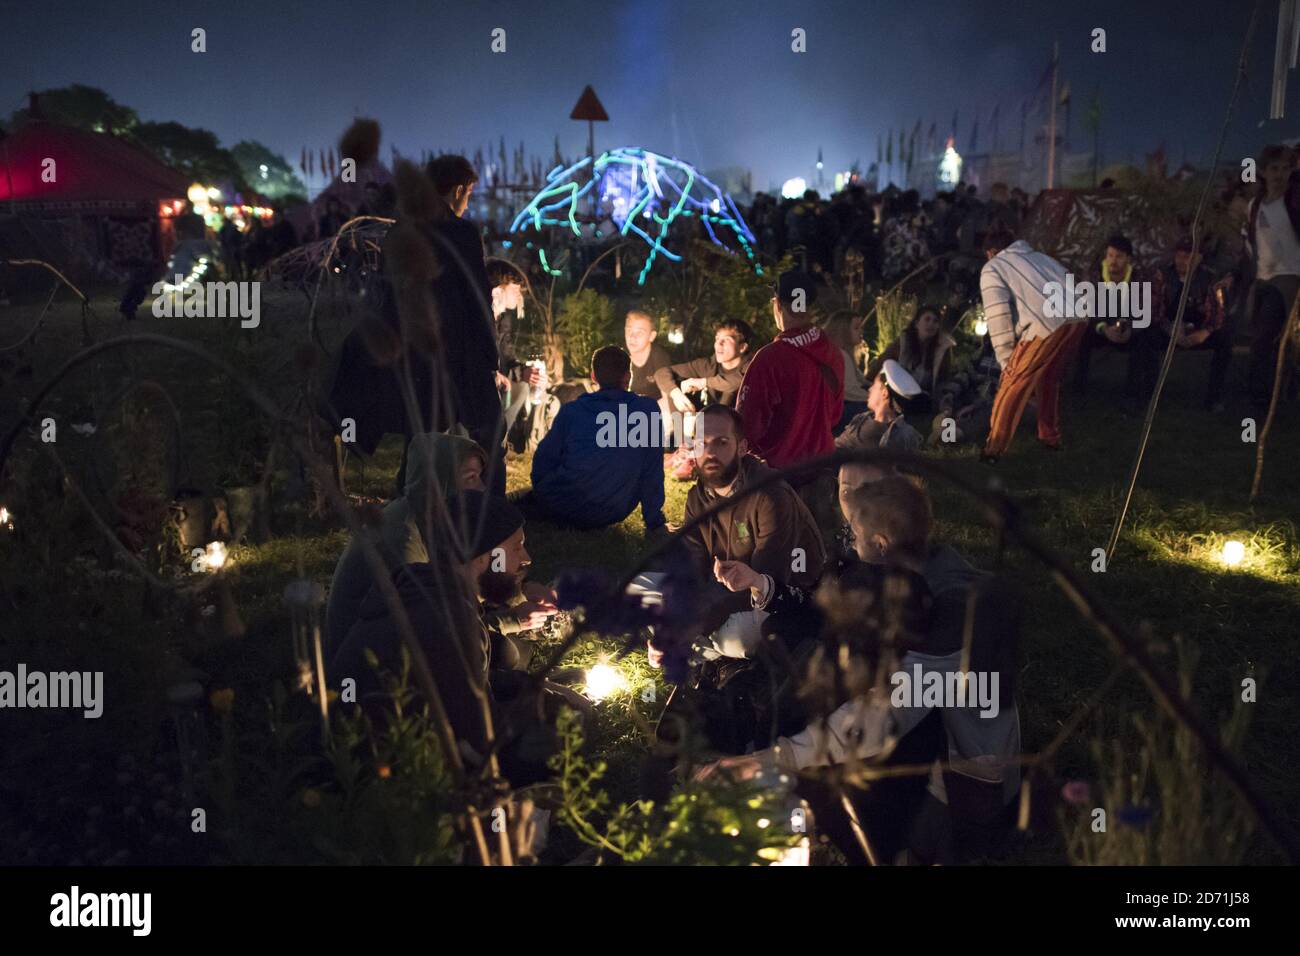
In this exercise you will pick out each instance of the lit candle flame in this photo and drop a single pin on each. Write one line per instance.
(1234, 552)
(215, 559)
(603, 681)
(981, 328)
(6, 518)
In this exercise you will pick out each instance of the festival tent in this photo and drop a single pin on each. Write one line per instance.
(89, 199)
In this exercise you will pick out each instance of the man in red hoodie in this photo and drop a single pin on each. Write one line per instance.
(793, 395)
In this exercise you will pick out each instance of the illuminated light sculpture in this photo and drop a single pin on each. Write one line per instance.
(630, 184)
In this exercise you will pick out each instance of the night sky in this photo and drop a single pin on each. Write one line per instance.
(712, 82)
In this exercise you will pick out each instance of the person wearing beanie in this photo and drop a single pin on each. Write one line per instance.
(484, 547)
(448, 463)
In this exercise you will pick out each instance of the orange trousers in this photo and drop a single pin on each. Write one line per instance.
(1035, 367)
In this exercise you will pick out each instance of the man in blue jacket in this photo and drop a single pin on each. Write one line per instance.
(603, 456)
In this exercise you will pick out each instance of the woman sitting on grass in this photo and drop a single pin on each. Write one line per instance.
(925, 350)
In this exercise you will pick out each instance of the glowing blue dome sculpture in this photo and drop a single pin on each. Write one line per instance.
(639, 192)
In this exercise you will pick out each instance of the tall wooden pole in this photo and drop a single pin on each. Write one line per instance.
(1051, 126)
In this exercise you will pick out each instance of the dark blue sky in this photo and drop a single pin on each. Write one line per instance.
(712, 81)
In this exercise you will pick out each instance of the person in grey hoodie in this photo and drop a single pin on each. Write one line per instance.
(437, 463)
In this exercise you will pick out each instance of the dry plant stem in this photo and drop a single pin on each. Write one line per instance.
(859, 834)
(1282, 347)
(594, 262)
(322, 472)
(437, 526)
(1182, 298)
(312, 331)
(36, 326)
(900, 283)
(60, 277)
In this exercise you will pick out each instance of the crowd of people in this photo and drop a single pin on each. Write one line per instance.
(810, 589)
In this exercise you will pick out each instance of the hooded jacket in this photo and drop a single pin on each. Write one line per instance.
(376, 630)
(763, 530)
(398, 536)
(792, 396)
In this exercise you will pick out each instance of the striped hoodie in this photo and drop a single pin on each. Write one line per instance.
(1013, 285)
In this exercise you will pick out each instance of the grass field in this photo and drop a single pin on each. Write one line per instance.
(65, 602)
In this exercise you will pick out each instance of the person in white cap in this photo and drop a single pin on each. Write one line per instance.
(883, 423)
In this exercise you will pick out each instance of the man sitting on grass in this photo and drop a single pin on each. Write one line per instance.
(718, 375)
(771, 530)
(444, 465)
(488, 552)
(603, 456)
(883, 424)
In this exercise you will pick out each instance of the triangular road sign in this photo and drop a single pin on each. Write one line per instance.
(589, 107)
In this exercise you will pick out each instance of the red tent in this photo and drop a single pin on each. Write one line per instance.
(91, 169)
(100, 205)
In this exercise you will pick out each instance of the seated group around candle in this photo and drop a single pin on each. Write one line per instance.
(811, 626)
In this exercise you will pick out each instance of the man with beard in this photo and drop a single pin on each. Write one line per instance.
(770, 529)
(445, 466)
(466, 665)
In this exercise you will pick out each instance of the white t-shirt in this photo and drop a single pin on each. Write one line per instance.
(1279, 251)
